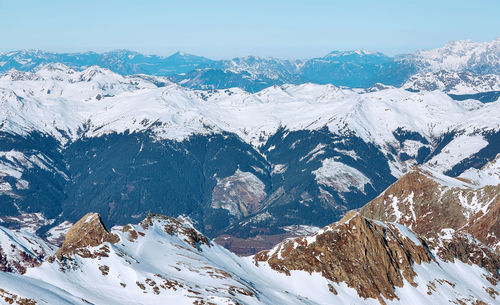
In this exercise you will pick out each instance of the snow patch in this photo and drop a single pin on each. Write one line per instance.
(340, 176)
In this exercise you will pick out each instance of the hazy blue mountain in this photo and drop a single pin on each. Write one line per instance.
(357, 68)
(120, 61)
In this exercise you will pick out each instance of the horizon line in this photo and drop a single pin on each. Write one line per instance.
(183, 53)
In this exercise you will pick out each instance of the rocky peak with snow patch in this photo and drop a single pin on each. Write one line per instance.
(458, 216)
(368, 256)
(89, 231)
(182, 227)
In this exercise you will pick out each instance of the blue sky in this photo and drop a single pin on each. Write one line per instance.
(224, 29)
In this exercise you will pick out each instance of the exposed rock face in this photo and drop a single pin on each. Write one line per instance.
(458, 218)
(89, 231)
(368, 256)
(241, 194)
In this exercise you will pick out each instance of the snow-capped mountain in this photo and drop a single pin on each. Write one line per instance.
(163, 259)
(465, 55)
(458, 83)
(238, 163)
(120, 61)
(357, 68)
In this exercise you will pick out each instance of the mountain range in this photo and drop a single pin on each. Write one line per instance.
(358, 68)
(239, 164)
(164, 259)
(355, 178)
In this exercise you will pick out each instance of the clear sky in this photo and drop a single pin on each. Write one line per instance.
(229, 28)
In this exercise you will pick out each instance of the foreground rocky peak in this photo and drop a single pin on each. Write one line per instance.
(89, 231)
(459, 217)
(368, 256)
(165, 260)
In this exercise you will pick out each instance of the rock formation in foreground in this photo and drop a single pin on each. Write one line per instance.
(166, 260)
(459, 217)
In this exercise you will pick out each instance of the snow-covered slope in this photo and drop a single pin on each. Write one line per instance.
(97, 101)
(165, 260)
(453, 82)
(68, 105)
(478, 57)
(20, 250)
(97, 137)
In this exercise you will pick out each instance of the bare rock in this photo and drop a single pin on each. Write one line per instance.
(89, 231)
(458, 222)
(370, 257)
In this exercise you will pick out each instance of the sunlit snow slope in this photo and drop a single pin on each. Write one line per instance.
(238, 163)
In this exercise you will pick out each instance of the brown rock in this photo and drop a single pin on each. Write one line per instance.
(89, 231)
(428, 207)
(367, 256)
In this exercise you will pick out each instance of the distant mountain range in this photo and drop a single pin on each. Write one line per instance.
(358, 68)
(453, 82)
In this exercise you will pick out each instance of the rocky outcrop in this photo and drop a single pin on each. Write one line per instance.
(240, 194)
(89, 231)
(368, 256)
(457, 217)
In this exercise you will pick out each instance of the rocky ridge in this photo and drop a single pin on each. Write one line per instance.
(459, 217)
(368, 256)
(86, 233)
(356, 260)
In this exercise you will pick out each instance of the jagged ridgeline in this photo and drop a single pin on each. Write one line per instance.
(164, 259)
(356, 68)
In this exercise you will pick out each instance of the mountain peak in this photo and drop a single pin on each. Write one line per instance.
(53, 67)
(342, 252)
(357, 52)
(182, 54)
(449, 212)
(89, 231)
